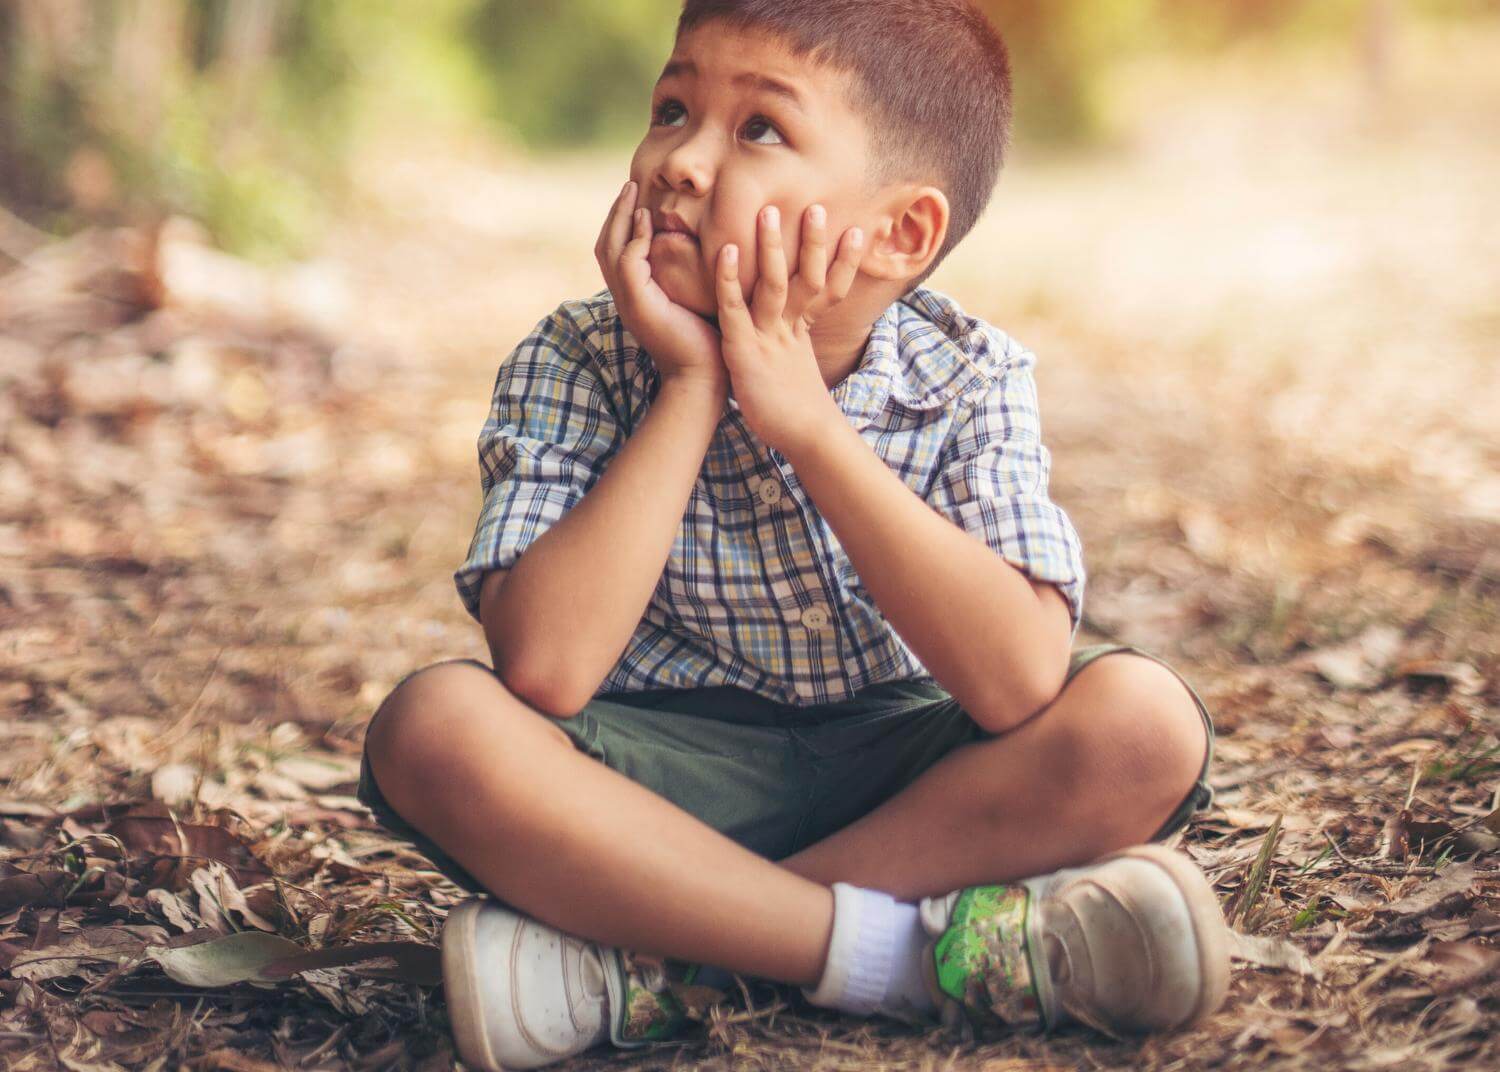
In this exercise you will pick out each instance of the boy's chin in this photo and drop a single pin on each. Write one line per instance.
(687, 289)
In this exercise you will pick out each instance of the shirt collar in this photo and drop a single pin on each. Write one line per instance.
(923, 352)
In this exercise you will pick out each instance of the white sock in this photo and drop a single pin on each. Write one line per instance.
(874, 956)
(907, 982)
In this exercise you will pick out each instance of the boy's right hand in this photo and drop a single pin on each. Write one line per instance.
(682, 344)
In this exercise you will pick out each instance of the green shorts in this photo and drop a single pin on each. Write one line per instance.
(776, 777)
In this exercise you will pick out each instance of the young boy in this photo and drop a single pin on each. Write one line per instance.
(780, 611)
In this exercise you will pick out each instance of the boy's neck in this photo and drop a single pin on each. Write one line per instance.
(841, 336)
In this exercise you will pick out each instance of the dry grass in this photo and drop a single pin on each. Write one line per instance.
(1266, 326)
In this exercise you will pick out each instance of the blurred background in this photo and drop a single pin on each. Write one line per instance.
(251, 115)
(1252, 241)
(260, 260)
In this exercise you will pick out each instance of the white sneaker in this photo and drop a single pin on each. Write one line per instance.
(1133, 943)
(522, 994)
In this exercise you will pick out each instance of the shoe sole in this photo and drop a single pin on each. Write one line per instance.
(1210, 932)
(461, 988)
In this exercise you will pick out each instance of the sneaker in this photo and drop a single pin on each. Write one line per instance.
(522, 994)
(1133, 943)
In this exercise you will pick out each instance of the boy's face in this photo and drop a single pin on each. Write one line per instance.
(737, 123)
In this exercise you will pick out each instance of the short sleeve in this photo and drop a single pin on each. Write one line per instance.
(550, 432)
(992, 482)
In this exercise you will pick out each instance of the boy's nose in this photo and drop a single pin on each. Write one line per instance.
(688, 168)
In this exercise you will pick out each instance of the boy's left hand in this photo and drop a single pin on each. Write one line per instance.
(767, 344)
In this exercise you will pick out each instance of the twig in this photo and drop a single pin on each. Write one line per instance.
(1416, 776)
(1336, 850)
(213, 672)
(1389, 966)
(755, 1014)
(330, 1041)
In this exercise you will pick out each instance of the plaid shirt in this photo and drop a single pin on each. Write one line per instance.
(757, 591)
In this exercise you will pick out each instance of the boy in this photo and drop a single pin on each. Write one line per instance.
(779, 609)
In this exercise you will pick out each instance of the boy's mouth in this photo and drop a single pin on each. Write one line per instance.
(669, 223)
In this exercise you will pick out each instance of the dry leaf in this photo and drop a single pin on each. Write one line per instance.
(175, 783)
(1451, 965)
(1405, 836)
(93, 947)
(1360, 663)
(1267, 951)
(1455, 881)
(218, 893)
(321, 772)
(1461, 677)
(173, 850)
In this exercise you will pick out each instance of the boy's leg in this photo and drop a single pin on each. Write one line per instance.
(1100, 768)
(569, 841)
(580, 846)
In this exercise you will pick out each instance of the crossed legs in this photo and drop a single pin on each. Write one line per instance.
(502, 789)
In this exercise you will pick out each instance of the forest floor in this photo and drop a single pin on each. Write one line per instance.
(231, 500)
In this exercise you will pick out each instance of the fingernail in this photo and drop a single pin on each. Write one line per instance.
(731, 255)
(626, 188)
(818, 216)
(856, 237)
(773, 216)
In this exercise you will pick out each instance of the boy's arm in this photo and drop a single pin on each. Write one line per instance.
(995, 639)
(566, 609)
(982, 574)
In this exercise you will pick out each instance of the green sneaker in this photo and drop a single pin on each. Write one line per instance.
(652, 999)
(1133, 943)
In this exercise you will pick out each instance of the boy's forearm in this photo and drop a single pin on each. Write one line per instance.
(990, 636)
(568, 607)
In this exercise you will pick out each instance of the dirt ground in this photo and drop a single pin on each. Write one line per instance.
(231, 500)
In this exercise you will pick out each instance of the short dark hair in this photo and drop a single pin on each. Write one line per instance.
(932, 77)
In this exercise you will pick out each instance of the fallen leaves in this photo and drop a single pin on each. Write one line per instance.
(86, 949)
(210, 531)
(1450, 966)
(1454, 883)
(1406, 837)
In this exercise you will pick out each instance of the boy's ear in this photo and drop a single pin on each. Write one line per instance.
(909, 235)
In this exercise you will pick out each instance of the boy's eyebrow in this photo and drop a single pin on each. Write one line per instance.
(749, 78)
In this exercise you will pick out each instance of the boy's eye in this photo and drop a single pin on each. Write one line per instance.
(669, 113)
(760, 126)
(760, 130)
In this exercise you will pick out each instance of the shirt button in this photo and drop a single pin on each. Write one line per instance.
(770, 492)
(815, 617)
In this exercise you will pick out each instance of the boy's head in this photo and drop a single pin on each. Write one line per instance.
(893, 114)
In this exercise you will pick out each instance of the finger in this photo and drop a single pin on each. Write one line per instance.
(812, 264)
(617, 226)
(769, 301)
(634, 266)
(841, 275)
(812, 261)
(734, 316)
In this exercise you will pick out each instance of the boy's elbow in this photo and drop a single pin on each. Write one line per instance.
(538, 688)
(1016, 705)
(541, 689)
(560, 710)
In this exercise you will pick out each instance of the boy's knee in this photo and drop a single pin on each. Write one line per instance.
(412, 720)
(430, 720)
(1143, 731)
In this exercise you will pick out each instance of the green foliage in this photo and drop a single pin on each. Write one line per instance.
(1061, 52)
(252, 134)
(571, 72)
(248, 134)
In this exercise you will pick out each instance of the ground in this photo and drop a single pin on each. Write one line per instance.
(231, 501)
